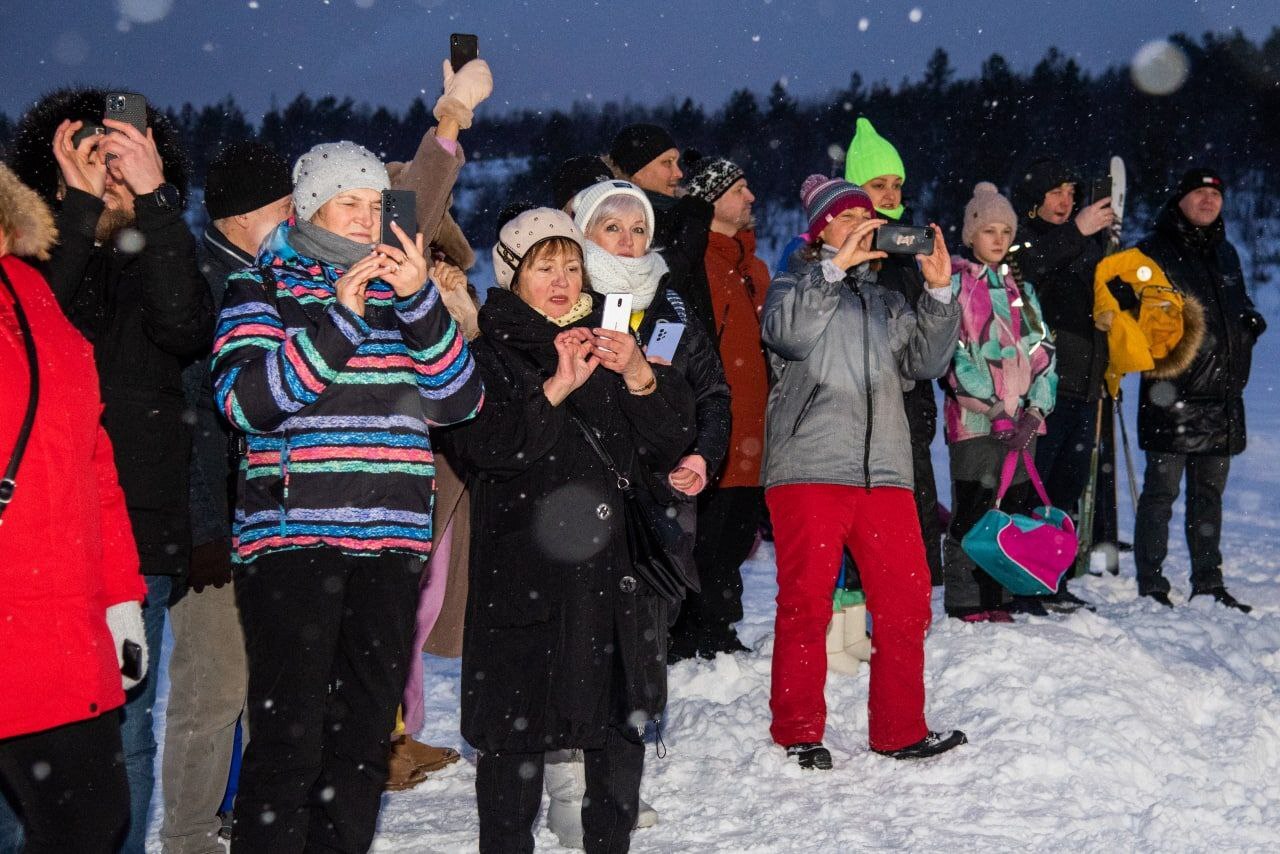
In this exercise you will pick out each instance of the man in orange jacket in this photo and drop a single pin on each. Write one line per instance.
(729, 513)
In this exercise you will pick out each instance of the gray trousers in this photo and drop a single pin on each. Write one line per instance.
(1206, 477)
(208, 683)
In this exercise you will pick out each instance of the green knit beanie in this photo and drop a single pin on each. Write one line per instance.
(870, 156)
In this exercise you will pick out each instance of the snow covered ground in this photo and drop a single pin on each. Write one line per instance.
(1132, 729)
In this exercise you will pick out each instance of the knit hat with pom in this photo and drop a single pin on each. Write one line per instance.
(825, 199)
(986, 206)
(524, 232)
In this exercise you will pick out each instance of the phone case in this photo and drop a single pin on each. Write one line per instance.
(617, 312)
(463, 47)
(127, 107)
(904, 239)
(400, 206)
(664, 340)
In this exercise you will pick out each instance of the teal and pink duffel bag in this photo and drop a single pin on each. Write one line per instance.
(1028, 555)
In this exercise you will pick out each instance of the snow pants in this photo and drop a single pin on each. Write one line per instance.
(880, 528)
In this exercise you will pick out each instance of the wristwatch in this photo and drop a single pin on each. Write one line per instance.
(167, 197)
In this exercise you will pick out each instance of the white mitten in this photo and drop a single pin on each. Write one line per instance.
(464, 90)
(124, 620)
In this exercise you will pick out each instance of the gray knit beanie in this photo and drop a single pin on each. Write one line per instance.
(329, 169)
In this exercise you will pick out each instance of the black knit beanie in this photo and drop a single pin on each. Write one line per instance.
(243, 177)
(1195, 179)
(636, 146)
(710, 177)
(576, 174)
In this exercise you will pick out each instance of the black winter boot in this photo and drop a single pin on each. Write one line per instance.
(811, 754)
(931, 745)
(1221, 596)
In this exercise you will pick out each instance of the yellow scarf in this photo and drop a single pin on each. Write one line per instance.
(579, 310)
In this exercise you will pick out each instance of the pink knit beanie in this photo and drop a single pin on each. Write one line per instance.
(986, 206)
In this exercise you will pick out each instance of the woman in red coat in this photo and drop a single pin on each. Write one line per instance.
(70, 591)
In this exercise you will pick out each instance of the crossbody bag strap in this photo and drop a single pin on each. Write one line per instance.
(9, 483)
(624, 482)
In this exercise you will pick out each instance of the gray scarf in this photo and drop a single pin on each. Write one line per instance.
(323, 245)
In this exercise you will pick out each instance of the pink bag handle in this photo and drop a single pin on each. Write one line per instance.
(1011, 466)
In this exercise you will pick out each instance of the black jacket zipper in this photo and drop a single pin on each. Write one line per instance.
(866, 376)
(804, 410)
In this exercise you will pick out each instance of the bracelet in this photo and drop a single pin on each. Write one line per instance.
(647, 388)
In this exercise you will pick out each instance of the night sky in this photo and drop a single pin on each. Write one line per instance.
(549, 53)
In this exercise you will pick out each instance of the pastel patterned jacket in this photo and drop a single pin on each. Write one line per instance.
(1005, 358)
(335, 407)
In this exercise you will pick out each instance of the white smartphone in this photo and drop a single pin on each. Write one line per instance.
(664, 340)
(617, 312)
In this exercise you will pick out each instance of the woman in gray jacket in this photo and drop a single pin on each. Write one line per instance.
(838, 473)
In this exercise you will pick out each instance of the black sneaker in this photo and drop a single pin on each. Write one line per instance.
(1221, 596)
(931, 745)
(1066, 602)
(811, 754)
(1159, 596)
(1032, 606)
(224, 832)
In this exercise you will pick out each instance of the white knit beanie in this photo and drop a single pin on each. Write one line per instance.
(329, 169)
(586, 202)
(524, 232)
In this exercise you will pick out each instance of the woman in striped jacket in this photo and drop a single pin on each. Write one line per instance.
(334, 355)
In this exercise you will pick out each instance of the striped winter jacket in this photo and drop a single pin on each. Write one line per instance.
(335, 407)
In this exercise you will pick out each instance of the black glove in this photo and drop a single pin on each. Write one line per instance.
(210, 565)
(1255, 323)
(1024, 430)
(1124, 294)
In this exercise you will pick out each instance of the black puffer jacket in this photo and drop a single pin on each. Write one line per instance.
(561, 640)
(680, 233)
(1059, 262)
(148, 315)
(1201, 411)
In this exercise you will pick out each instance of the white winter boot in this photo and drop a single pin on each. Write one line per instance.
(565, 779)
(856, 641)
(838, 659)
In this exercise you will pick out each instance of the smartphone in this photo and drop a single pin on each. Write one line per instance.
(463, 47)
(131, 664)
(904, 239)
(400, 206)
(87, 130)
(664, 340)
(617, 312)
(127, 107)
(1100, 189)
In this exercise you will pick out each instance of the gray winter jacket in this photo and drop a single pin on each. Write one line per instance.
(842, 355)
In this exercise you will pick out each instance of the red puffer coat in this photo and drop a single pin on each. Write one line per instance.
(66, 548)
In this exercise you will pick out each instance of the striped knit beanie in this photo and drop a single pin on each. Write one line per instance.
(825, 199)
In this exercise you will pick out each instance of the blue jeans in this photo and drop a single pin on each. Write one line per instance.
(136, 724)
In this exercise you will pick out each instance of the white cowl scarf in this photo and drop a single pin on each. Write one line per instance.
(614, 274)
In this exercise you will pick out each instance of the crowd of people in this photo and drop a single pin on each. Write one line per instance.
(307, 442)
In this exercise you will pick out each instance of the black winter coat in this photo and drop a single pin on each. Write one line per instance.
(1201, 411)
(147, 314)
(1059, 262)
(680, 233)
(901, 274)
(561, 640)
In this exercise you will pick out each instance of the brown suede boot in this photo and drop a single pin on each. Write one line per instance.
(410, 762)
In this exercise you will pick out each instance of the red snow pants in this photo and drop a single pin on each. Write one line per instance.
(812, 523)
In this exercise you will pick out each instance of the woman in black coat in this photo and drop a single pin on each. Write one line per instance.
(564, 645)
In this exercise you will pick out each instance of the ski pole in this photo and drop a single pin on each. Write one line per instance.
(1128, 455)
(1087, 502)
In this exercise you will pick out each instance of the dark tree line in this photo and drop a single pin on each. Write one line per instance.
(951, 132)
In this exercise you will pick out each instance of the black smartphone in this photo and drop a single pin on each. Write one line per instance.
(131, 665)
(87, 130)
(127, 107)
(904, 239)
(398, 206)
(1100, 189)
(463, 47)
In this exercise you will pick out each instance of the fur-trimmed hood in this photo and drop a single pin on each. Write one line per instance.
(31, 154)
(25, 219)
(1180, 357)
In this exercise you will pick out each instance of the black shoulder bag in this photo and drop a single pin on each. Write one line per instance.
(9, 483)
(649, 557)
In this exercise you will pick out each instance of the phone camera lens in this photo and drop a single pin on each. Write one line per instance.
(116, 103)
